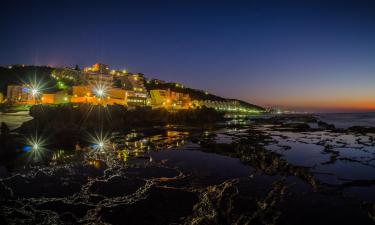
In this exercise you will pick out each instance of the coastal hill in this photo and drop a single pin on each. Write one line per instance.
(18, 74)
(194, 93)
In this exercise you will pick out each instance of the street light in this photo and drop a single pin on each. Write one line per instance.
(34, 93)
(35, 146)
(100, 92)
(101, 145)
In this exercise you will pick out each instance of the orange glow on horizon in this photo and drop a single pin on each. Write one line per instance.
(337, 104)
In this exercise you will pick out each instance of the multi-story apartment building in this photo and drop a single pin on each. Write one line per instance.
(134, 84)
(169, 99)
(98, 74)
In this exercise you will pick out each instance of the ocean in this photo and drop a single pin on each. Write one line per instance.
(346, 120)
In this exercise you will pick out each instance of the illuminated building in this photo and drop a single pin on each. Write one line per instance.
(60, 97)
(134, 99)
(20, 94)
(133, 82)
(225, 106)
(169, 99)
(98, 68)
(86, 94)
(83, 94)
(134, 85)
(98, 73)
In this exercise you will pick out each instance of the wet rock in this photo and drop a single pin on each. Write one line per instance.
(151, 172)
(295, 127)
(362, 130)
(316, 208)
(326, 126)
(78, 210)
(41, 185)
(238, 202)
(162, 206)
(116, 186)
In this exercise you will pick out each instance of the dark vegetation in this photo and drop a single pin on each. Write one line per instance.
(112, 117)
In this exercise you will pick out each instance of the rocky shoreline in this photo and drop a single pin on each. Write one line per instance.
(291, 162)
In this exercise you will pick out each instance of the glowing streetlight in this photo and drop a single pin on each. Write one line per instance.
(100, 92)
(100, 140)
(35, 146)
(34, 92)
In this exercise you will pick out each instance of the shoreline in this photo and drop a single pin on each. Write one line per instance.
(166, 155)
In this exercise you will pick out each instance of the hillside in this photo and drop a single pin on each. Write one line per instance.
(194, 93)
(25, 74)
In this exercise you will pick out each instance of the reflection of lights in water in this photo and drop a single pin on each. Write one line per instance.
(122, 155)
(170, 139)
(94, 163)
(35, 147)
(60, 155)
(101, 141)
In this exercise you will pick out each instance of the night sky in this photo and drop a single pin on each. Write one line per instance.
(315, 56)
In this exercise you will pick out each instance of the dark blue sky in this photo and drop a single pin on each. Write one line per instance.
(313, 55)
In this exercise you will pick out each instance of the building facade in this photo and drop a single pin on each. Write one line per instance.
(20, 94)
(169, 99)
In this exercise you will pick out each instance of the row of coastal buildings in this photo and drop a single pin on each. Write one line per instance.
(99, 84)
